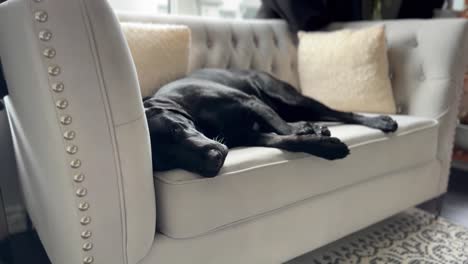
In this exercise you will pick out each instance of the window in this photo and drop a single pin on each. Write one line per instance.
(212, 8)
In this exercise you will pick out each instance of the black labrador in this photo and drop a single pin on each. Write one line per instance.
(193, 121)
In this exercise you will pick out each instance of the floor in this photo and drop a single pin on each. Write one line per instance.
(25, 248)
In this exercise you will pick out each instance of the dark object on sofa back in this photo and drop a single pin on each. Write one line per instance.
(311, 15)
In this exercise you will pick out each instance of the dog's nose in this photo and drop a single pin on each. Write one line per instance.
(215, 156)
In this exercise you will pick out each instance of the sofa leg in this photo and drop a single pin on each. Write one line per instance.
(434, 206)
(439, 203)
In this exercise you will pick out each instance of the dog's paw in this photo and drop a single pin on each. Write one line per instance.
(332, 149)
(321, 130)
(308, 128)
(384, 123)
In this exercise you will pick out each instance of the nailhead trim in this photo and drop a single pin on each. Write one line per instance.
(88, 260)
(86, 234)
(69, 135)
(81, 192)
(72, 149)
(66, 120)
(78, 178)
(62, 104)
(45, 35)
(83, 206)
(85, 220)
(41, 16)
(53, 70)
(58, 87)
(87, 246)
(75, 164)
(49, 53)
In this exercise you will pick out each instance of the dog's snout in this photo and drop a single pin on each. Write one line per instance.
(215, 155)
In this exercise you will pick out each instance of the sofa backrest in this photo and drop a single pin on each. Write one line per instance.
(265, 45)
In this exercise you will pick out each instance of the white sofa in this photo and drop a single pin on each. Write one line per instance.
(82, 144)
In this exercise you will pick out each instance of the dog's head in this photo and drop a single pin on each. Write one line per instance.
(176, 142)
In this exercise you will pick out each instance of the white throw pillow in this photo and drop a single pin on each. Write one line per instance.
(160, 53)
(347, 69)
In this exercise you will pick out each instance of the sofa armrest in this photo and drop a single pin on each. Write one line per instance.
(79, 130)
(427, 63)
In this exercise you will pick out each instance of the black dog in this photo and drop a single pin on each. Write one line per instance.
(193, 121)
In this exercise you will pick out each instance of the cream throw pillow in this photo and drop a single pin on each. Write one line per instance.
(347, 69)
(160, 53)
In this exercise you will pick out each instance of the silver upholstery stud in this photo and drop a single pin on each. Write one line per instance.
(49, 53)
(85, 220)
(41, 16)
(69, 135)
(45, 35)
(88, 260)
(79, 177)
(66, 120)
(61, 104)
(72, 149)
(83, 206)
(54, 70)
(87, 246)
(58, 87)
(75, 164)
(81, 192)
(86, 234)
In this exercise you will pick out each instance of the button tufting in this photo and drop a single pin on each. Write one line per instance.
(234, 41)
(400, 108)
(209, 43)
(255, 41)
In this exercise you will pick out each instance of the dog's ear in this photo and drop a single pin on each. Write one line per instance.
(153, 107)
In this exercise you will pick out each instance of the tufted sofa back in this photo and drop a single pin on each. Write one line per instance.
(265, 45)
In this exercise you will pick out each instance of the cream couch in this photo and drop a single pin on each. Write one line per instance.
(82, 144)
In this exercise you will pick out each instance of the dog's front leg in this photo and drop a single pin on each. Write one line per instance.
(325, 147)
(267, 118)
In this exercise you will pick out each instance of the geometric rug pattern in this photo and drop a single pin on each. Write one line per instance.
(411, 237)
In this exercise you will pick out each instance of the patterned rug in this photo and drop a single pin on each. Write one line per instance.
(412, 237)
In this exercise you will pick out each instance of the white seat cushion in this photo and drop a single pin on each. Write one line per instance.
(258, 180)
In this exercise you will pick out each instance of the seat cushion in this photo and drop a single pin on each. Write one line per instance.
(258, 180)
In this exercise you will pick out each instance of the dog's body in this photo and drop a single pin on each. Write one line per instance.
(193, 121)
